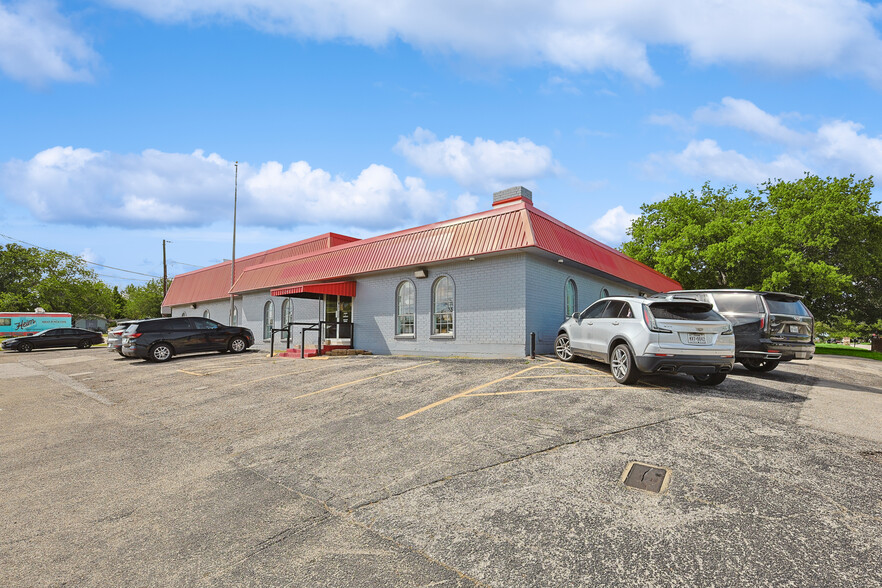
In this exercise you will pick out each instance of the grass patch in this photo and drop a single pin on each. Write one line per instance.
(831, 349)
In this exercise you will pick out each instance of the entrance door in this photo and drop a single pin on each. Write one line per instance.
(338, 309)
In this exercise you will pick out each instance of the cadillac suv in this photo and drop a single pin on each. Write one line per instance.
(770, 327)
(645, 336)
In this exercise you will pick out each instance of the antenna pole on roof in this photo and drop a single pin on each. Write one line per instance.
(233, 262)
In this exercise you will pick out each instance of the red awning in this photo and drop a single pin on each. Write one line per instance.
(333, 288)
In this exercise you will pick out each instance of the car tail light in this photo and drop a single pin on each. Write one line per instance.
(135, 335)
(650, 321)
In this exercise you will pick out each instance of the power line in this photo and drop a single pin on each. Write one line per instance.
(182, 263)
(119, 269)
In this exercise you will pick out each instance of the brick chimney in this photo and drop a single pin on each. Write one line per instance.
(512, 195)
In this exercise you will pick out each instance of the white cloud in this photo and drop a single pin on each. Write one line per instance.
(747, 116)
(152, 188)
(482, 164)
(465, 204)
(835, 148)
(612, 225)
(833, 36)
(37, 45)
(705, 158)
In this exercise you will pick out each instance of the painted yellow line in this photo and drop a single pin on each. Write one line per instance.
(466, 393)
(541, 390)
(561, 376)
(363, 380)
(191, 373)
(290, 373)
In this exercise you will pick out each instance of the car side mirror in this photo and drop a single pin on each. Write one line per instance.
(577, 316)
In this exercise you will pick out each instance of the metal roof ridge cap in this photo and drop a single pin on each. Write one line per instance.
(531, 236)
(567, 227)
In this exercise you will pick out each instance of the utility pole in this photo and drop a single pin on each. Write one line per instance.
(233, 261)
(164, 272)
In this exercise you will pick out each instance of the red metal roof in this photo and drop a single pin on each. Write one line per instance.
(213, 282)
(332, 288)
(504, 228)
(552, 235)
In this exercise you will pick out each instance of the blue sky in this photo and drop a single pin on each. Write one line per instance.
(121, 119)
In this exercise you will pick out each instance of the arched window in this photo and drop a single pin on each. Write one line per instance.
(235, 317)
(268, 312)
(442, 306)
(287, 312)
(206, 314)
(405, 308)
(570, 296)
(604, 292)
(183, 313)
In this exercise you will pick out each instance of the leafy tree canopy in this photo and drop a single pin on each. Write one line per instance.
(143, 301)
(58, 282)
(821, 238)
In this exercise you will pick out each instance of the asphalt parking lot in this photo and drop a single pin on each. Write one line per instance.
(224, 470)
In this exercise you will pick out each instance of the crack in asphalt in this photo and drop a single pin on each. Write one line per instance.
(525, 456)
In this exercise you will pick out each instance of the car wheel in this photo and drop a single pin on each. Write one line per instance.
(237, 345)
(622, 365)
(25, 346)
(84, 344)
(709, 379)
(562, 348)
(160, 352)
(120, 353)
(760, 365)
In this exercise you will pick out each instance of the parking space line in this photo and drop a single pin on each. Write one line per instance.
(560, 376)
(507, 392)
(291, 373)
(467, 392)
(363, 380)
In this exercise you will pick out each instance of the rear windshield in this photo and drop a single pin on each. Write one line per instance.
(684, 312)
(737, 302)
(795, 307)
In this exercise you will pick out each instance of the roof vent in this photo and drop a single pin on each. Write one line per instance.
(512, 195)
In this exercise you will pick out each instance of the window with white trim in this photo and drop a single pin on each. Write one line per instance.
(571, 301)
(268, 312)
(287, 312)
(405, 309)
(442, 306)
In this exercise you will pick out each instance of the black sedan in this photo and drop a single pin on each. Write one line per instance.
(54, 338)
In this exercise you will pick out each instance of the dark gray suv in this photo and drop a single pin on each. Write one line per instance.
(160, 339)
(770, 327)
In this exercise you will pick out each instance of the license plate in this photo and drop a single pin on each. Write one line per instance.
(696, 338)
(794, 328)
(800, 355)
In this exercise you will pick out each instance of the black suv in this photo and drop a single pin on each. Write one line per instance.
(159, 339)
(770, 327)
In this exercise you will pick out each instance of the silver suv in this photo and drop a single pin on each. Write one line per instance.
(639, 335)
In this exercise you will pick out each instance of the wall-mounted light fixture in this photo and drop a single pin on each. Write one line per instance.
(559, 261)
(471, 259)
(421, 273)
(193, 305)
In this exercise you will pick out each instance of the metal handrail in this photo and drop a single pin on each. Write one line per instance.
(319, 327)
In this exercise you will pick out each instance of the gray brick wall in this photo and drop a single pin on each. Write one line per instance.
(545, 296)
(499, 300)
(489, 310)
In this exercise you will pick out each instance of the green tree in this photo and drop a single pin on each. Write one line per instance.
(821, 238)
(56, 281)
(143, 301)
